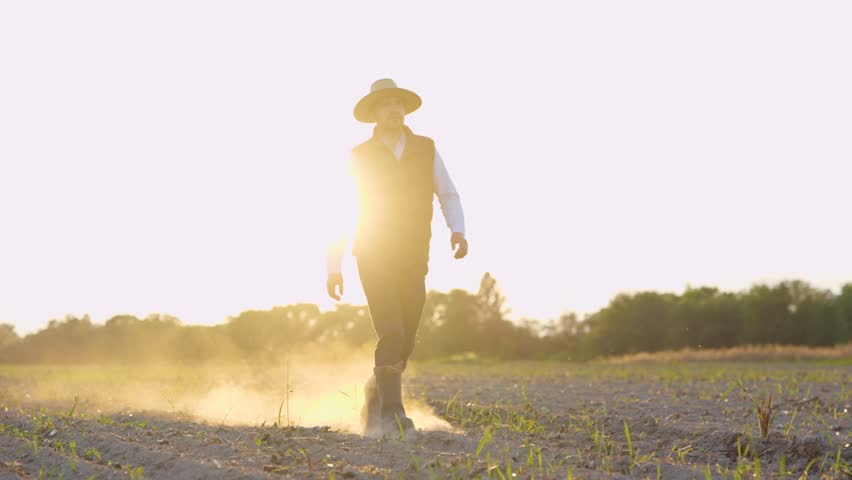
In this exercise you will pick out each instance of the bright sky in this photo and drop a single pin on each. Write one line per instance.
(177, 157)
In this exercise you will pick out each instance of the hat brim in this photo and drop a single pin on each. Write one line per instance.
(364, 109)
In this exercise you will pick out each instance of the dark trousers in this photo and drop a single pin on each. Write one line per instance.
(396, 292)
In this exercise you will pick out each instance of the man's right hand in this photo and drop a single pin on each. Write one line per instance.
(335, 281)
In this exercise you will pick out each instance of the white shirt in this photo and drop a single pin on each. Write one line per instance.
(448, 197)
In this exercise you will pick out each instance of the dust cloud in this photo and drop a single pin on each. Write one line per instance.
(298, 391)
(326, 394)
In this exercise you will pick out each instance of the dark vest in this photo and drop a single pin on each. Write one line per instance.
(395, 222)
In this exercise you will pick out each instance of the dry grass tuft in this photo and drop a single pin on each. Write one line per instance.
(742, 353)
(764, 415)
(763, 408)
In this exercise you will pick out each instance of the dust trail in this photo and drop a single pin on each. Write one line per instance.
(424, 417)
(318, 395)
(306, 390)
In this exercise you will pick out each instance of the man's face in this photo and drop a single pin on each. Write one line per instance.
(390, 112)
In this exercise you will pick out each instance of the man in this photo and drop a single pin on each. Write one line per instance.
(397, 174)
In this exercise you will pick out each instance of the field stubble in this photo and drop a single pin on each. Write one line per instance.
(477, 420)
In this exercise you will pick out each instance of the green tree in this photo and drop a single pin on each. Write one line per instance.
(704, 317)
(843, 311)
(448, 325)
(8, 337)
(267, 333)
(632, 323)
(497, 335)
(814, 319)
(348, 324)
(767, 316)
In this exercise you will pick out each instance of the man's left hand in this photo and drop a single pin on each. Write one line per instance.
(457, 240)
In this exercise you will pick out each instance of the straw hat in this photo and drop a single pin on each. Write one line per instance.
(382, 89)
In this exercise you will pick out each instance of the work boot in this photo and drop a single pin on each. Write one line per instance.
(389, 385)
(371, 412)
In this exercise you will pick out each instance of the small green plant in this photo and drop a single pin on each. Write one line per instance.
(764, 409)
(415, 460)
(400, 430)
(681, 452)
(534, 457)
(308, 458)
(93, 454)
(483, 442)
(807, 468)
(509, 467)
(629, 446)
(840, 467)
(137, 473)
(788, 427)
(635, 458)
(523, 420)
(604, 447)
(73, 460)
(71, 412)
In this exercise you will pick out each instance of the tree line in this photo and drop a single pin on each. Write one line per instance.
(459, 322)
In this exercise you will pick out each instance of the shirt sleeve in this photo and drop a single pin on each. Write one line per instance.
(347, 218)
(448, 197)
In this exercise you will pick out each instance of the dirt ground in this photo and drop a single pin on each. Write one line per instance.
(502, 420)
